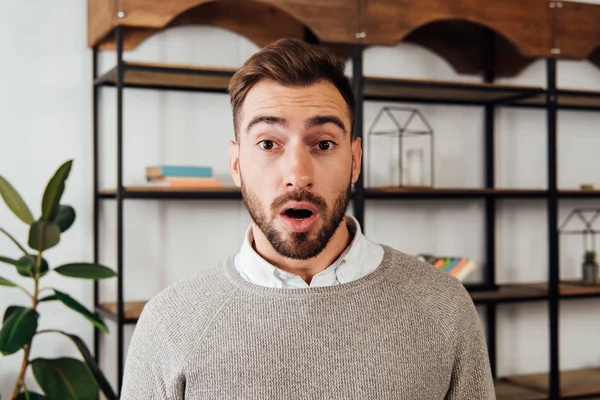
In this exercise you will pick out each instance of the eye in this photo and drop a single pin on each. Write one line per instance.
(325, 145)
(266, 144)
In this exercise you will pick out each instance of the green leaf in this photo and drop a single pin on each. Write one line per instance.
(48, 298)
(43, 235)
(76, 306)
(85, 270)
(9, 261)
(64, 378)
(15, 202)
(91, 363)
(9, 311)
(6, 282)
(18, 330)
(32, 396)
(64, 217)
(13, 240)
(26, 265)
(54, 191)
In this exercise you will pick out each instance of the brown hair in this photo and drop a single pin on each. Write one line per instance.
(290, 62)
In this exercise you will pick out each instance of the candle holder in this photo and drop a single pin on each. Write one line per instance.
(406, 122)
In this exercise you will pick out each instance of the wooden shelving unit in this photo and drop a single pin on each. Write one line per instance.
(495, 41)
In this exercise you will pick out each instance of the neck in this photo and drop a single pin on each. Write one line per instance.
(305, 269)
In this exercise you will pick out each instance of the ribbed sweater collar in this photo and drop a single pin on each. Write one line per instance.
(239, 282)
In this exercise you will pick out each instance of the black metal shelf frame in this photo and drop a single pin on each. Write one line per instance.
(361, 194)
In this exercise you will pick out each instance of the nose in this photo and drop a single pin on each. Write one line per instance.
(298, 169)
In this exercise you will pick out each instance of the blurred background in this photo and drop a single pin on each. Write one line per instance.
(474, 181)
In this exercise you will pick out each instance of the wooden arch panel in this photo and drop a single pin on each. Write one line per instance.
(262, 22)
(455, 30)
(465, 46)
(577, 33)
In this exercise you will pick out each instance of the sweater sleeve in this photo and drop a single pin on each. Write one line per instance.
(146, 365)
(471, 375)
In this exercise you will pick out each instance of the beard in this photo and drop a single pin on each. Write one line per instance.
(297, 245)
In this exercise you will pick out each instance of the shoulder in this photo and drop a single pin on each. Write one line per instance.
(190, 301)
(437, 292)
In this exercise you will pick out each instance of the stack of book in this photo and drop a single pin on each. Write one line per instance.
(459, 267)
(182, 177)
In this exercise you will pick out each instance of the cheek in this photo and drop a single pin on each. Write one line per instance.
(256, 175)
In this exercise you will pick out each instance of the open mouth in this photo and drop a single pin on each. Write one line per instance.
(298, 213)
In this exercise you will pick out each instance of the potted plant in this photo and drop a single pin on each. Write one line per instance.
(590, 267)
(62, 378)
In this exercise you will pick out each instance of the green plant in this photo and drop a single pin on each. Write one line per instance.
(61, 378)
(589, 256)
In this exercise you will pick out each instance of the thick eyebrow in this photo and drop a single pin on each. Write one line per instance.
(269, 119)
(320, 120)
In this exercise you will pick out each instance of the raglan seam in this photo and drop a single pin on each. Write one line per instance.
(210, 324)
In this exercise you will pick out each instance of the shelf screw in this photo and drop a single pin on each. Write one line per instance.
(361, 35)
(552, 4)
(121, 14)
(555, 51)
(559, 4)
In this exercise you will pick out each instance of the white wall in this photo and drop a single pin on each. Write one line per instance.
(45, 118)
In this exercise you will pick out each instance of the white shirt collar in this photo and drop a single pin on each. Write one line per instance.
(360, 258)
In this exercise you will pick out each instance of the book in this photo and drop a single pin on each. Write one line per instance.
(179, 170)
(187, 183)
(180, 179)
(458, 267)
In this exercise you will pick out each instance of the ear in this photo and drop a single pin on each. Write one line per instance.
(356, 159)
(234, 162)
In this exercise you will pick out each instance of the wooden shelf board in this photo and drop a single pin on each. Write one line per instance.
(189, 77)
(535, 291)
(569, 99)
(395, 191)
(524, 291)
(509, 391)
(171, 76)
(579, 193)
(578, 288)
(440, 91)
(579, 382)
(131, 309)
(157, 192)
(138, 189)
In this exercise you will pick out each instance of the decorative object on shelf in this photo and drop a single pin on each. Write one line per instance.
(62, 377)
(402, 123)
(587, 217)
(590, 268)
(458, 267)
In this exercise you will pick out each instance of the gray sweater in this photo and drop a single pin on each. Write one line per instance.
(405, 331)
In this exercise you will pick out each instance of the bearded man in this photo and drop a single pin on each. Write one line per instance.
(309, 308)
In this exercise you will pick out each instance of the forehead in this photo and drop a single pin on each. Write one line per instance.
(268, 97)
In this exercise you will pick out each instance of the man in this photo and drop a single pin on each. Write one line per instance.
(309, 308)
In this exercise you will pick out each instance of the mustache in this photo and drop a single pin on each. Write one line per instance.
(305, 196)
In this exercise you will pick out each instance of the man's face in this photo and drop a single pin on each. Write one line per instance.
(295, 163)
